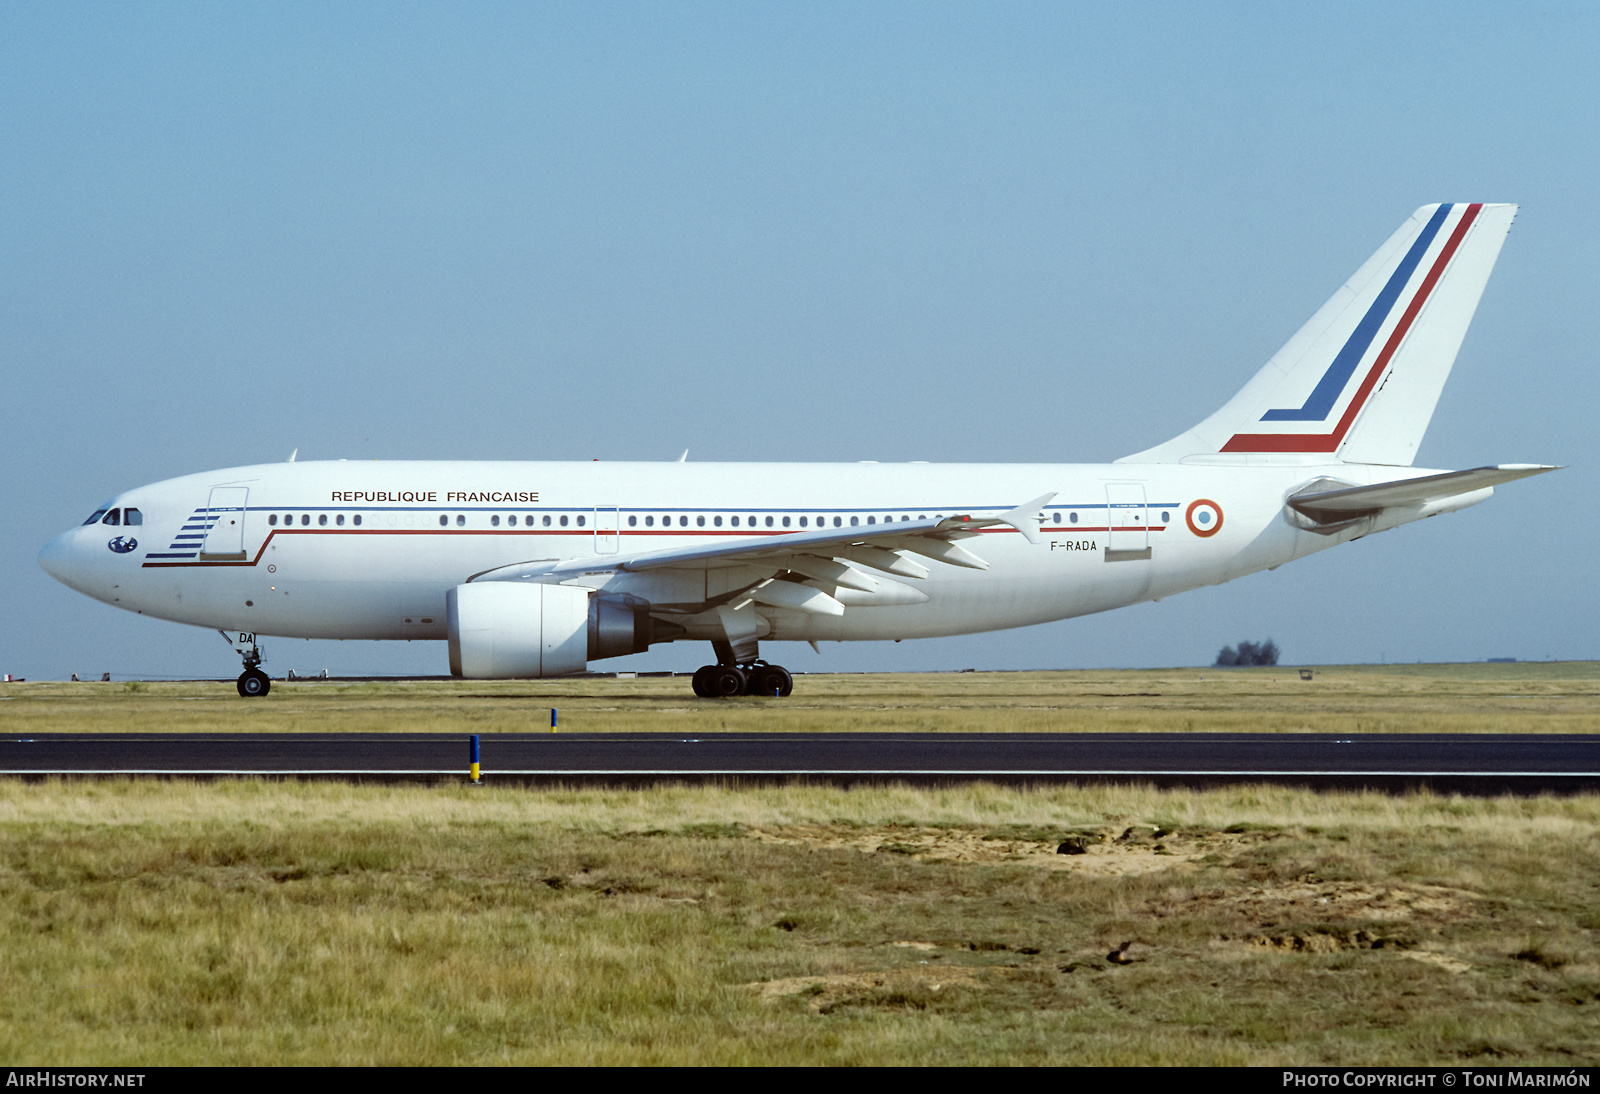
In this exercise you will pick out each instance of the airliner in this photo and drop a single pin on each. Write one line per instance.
(531, 570)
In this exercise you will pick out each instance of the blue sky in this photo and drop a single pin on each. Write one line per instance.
(793, 232)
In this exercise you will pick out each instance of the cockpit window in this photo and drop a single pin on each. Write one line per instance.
(132, 516)
(95, 519)
(113, 516)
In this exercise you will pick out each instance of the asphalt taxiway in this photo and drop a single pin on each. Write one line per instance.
(1463, 763)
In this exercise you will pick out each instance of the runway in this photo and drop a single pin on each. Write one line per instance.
(1463, 763)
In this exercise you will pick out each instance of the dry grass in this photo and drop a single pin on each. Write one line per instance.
(152, 922)
(1562, 697)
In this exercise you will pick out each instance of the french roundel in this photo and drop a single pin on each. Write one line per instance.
(1204, 517)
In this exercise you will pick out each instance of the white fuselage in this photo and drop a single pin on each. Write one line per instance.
(369, 550)
(531, 569)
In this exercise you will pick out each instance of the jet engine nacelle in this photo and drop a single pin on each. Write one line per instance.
(510, 630)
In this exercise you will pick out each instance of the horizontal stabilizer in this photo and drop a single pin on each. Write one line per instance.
(1343, 504)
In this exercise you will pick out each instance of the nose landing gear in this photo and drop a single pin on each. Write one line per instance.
(253, 683)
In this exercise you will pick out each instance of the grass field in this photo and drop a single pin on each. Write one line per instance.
(1561, 697)
(251, 922)
(162, 922)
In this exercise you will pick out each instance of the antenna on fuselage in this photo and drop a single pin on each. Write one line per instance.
(292, 455)
(685, 457)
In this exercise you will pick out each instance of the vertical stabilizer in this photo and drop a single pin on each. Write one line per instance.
(1360, 380)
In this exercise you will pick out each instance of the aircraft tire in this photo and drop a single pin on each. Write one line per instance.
(702, 681)
(772, 681)
(253, 683)
(727, 681)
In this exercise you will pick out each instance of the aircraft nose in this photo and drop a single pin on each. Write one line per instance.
(56, 558)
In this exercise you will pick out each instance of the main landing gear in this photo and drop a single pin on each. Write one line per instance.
(753, 678)
(252, 681)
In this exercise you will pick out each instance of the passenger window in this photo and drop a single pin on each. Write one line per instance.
(649, 522)
(1073, 517)
(717, 521)
(112, 517)
(494, 521)
(563, 520)
(580, 522)
(854, 521)
(132, 516)
(547, 520)
(683, 522)
(700, 522)
(872, 520)
(752, 521)
(1056, 517)
(769, 522)
(632, 521)
(305, 518)
(444, 521)
(322, 519)
(94, 518)
(288, 518)
(837, 522)
(735, 522)
(786, 522)
(1165, 517)
(339, 520)
(802, 522)
(461, 520)
(272, 519)
(356, 519)
(512, 520)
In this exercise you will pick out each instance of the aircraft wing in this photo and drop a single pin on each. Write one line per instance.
(828, 556)
(1355, 501)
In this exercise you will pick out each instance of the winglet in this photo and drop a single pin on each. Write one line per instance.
(1025, 517)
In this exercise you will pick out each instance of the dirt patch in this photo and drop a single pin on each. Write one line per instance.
(1109, 852)
(1331, 917)
(1339, 941)
(1312, 900)
(1324, 941)
(1438, 960)
(905, 988)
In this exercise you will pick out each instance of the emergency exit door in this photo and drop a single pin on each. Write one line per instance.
(607, 529)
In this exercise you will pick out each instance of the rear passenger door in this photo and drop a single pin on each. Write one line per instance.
(1128, 521)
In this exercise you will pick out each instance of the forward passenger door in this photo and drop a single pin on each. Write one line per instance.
(225, 524)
